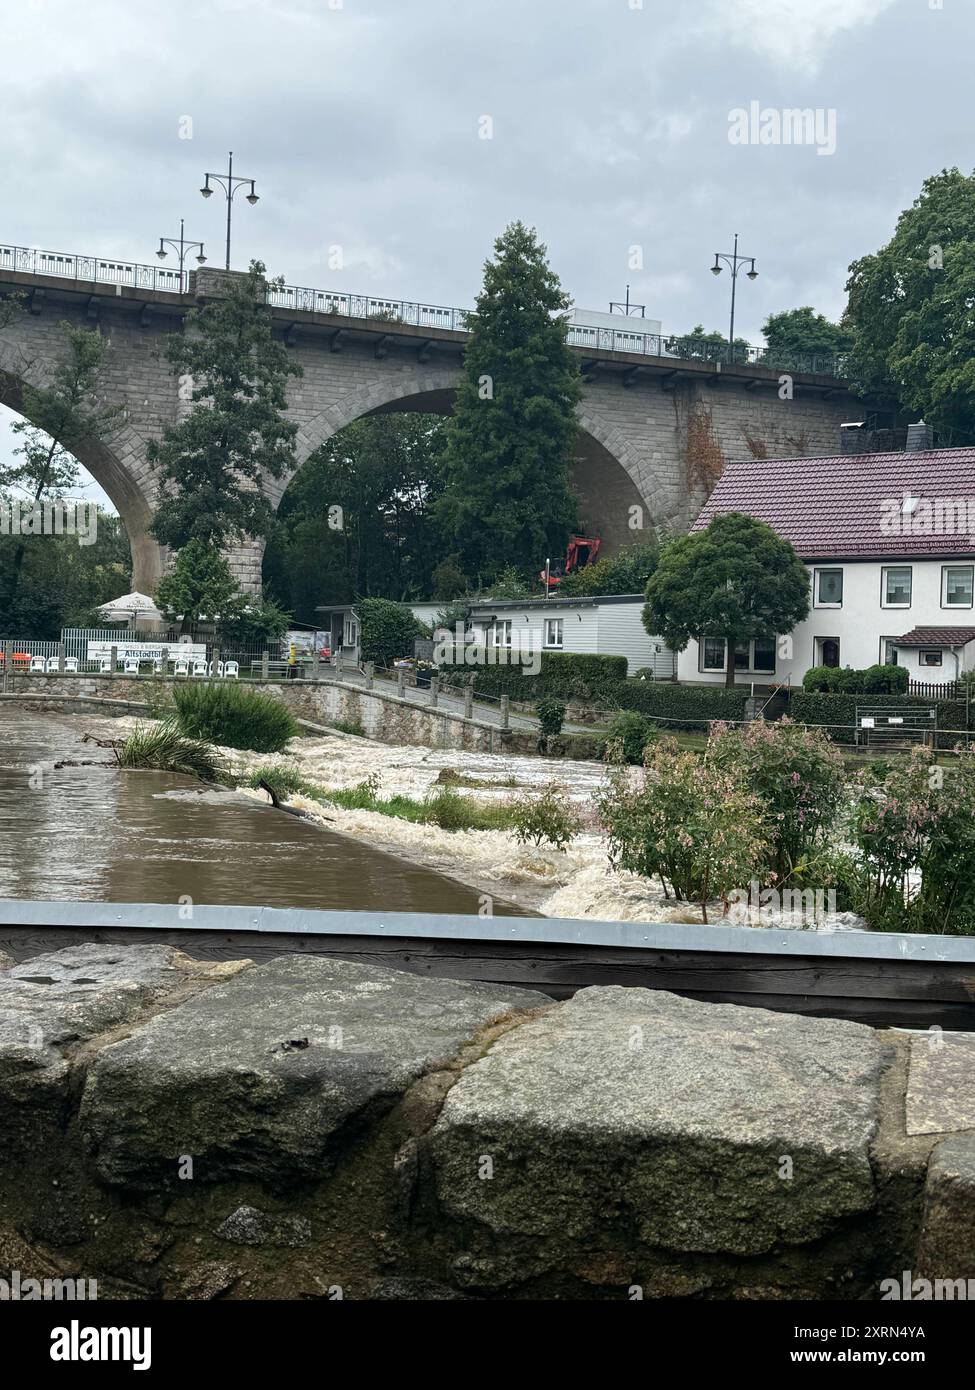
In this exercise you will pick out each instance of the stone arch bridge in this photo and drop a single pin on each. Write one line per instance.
(655, 429)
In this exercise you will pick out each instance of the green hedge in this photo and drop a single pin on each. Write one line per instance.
(563, 675)
(808, 708)
(874, 680)
(682, 706)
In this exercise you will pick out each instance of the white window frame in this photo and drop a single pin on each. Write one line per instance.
(547, 643)
(499, 627)
(930, 651)
(891, 569)
(828, 569)
(818, 651)
(750, 669)
(945, 570)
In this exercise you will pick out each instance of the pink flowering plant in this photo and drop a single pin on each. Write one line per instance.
(689, 823)
(797, 776)
(915, 833)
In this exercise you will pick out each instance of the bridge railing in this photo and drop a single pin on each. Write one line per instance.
(416, 313)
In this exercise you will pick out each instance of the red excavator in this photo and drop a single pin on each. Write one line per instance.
(582, 551)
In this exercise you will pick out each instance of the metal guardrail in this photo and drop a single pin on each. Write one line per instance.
(109, 270)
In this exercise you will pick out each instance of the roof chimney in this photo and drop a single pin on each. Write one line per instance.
(919, 437)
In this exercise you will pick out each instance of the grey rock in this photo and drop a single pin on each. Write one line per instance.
(54, 1002)
(267, 1075)
(947, 1245)
(249, 1226)
(941, 1085)
(414, 1291)
(673, 1120)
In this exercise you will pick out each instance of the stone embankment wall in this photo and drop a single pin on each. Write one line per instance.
(313, 1128)
(381, 715)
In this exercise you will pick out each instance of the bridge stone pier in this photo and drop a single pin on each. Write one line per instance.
(655, 430)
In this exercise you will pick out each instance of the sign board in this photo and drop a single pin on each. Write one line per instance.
(867, 722)
(147, 651)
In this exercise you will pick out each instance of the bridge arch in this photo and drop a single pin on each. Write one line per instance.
(605, 471)
(117, 464)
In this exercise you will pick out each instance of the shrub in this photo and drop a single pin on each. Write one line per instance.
(234, 716)
(629, 734)
(875, 680)
(545, 815)
(683, 706)
(562, 676)
(387, 630)
(691, 824)
(163, 748)
(626, 572)
(916, 837)
(551, 717)
(797, 776)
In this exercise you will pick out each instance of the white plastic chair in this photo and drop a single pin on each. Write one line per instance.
(130, 666)
(71, 665)
(199, 668)
(216, 670)
(38, 664)
(182, 667)
(231, 670)
(53, 666)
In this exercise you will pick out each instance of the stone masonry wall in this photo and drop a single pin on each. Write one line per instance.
(310, 1128)
(638, 443)
(381, 716)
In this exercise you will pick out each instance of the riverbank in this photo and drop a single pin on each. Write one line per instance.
(578, 882)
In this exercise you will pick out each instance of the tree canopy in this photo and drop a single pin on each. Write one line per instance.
(735, 580)
(507, 499)
(212, 461)
(909, 310)
(797, 337)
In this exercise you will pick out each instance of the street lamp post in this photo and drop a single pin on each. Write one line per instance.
(734, 262)
(230, 184)
(182, 249)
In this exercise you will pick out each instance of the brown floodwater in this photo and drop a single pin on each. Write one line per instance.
(98, 833)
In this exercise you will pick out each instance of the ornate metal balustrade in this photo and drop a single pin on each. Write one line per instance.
(107, 270)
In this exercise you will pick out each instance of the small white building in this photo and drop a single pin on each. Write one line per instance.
(889, 543)
(604, 626)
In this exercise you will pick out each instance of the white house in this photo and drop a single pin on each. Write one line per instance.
(605, 626)
(889, 543)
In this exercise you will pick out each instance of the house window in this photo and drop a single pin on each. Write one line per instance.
(553, 632)
(829, 588)
(501, 632)
(828, 651)
(763, 654)
(888, 651)
(896, 587)
(929, 656)
(757, 656)
(349, 633)
(956, 586)
(712, 654)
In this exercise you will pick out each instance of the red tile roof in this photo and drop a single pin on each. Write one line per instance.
(834, 507)
(936, 637)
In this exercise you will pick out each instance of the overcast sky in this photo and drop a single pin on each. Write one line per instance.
(362, 122)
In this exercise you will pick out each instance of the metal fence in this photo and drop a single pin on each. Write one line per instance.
(112, 271)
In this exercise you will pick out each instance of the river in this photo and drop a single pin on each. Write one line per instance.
(98, 833)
